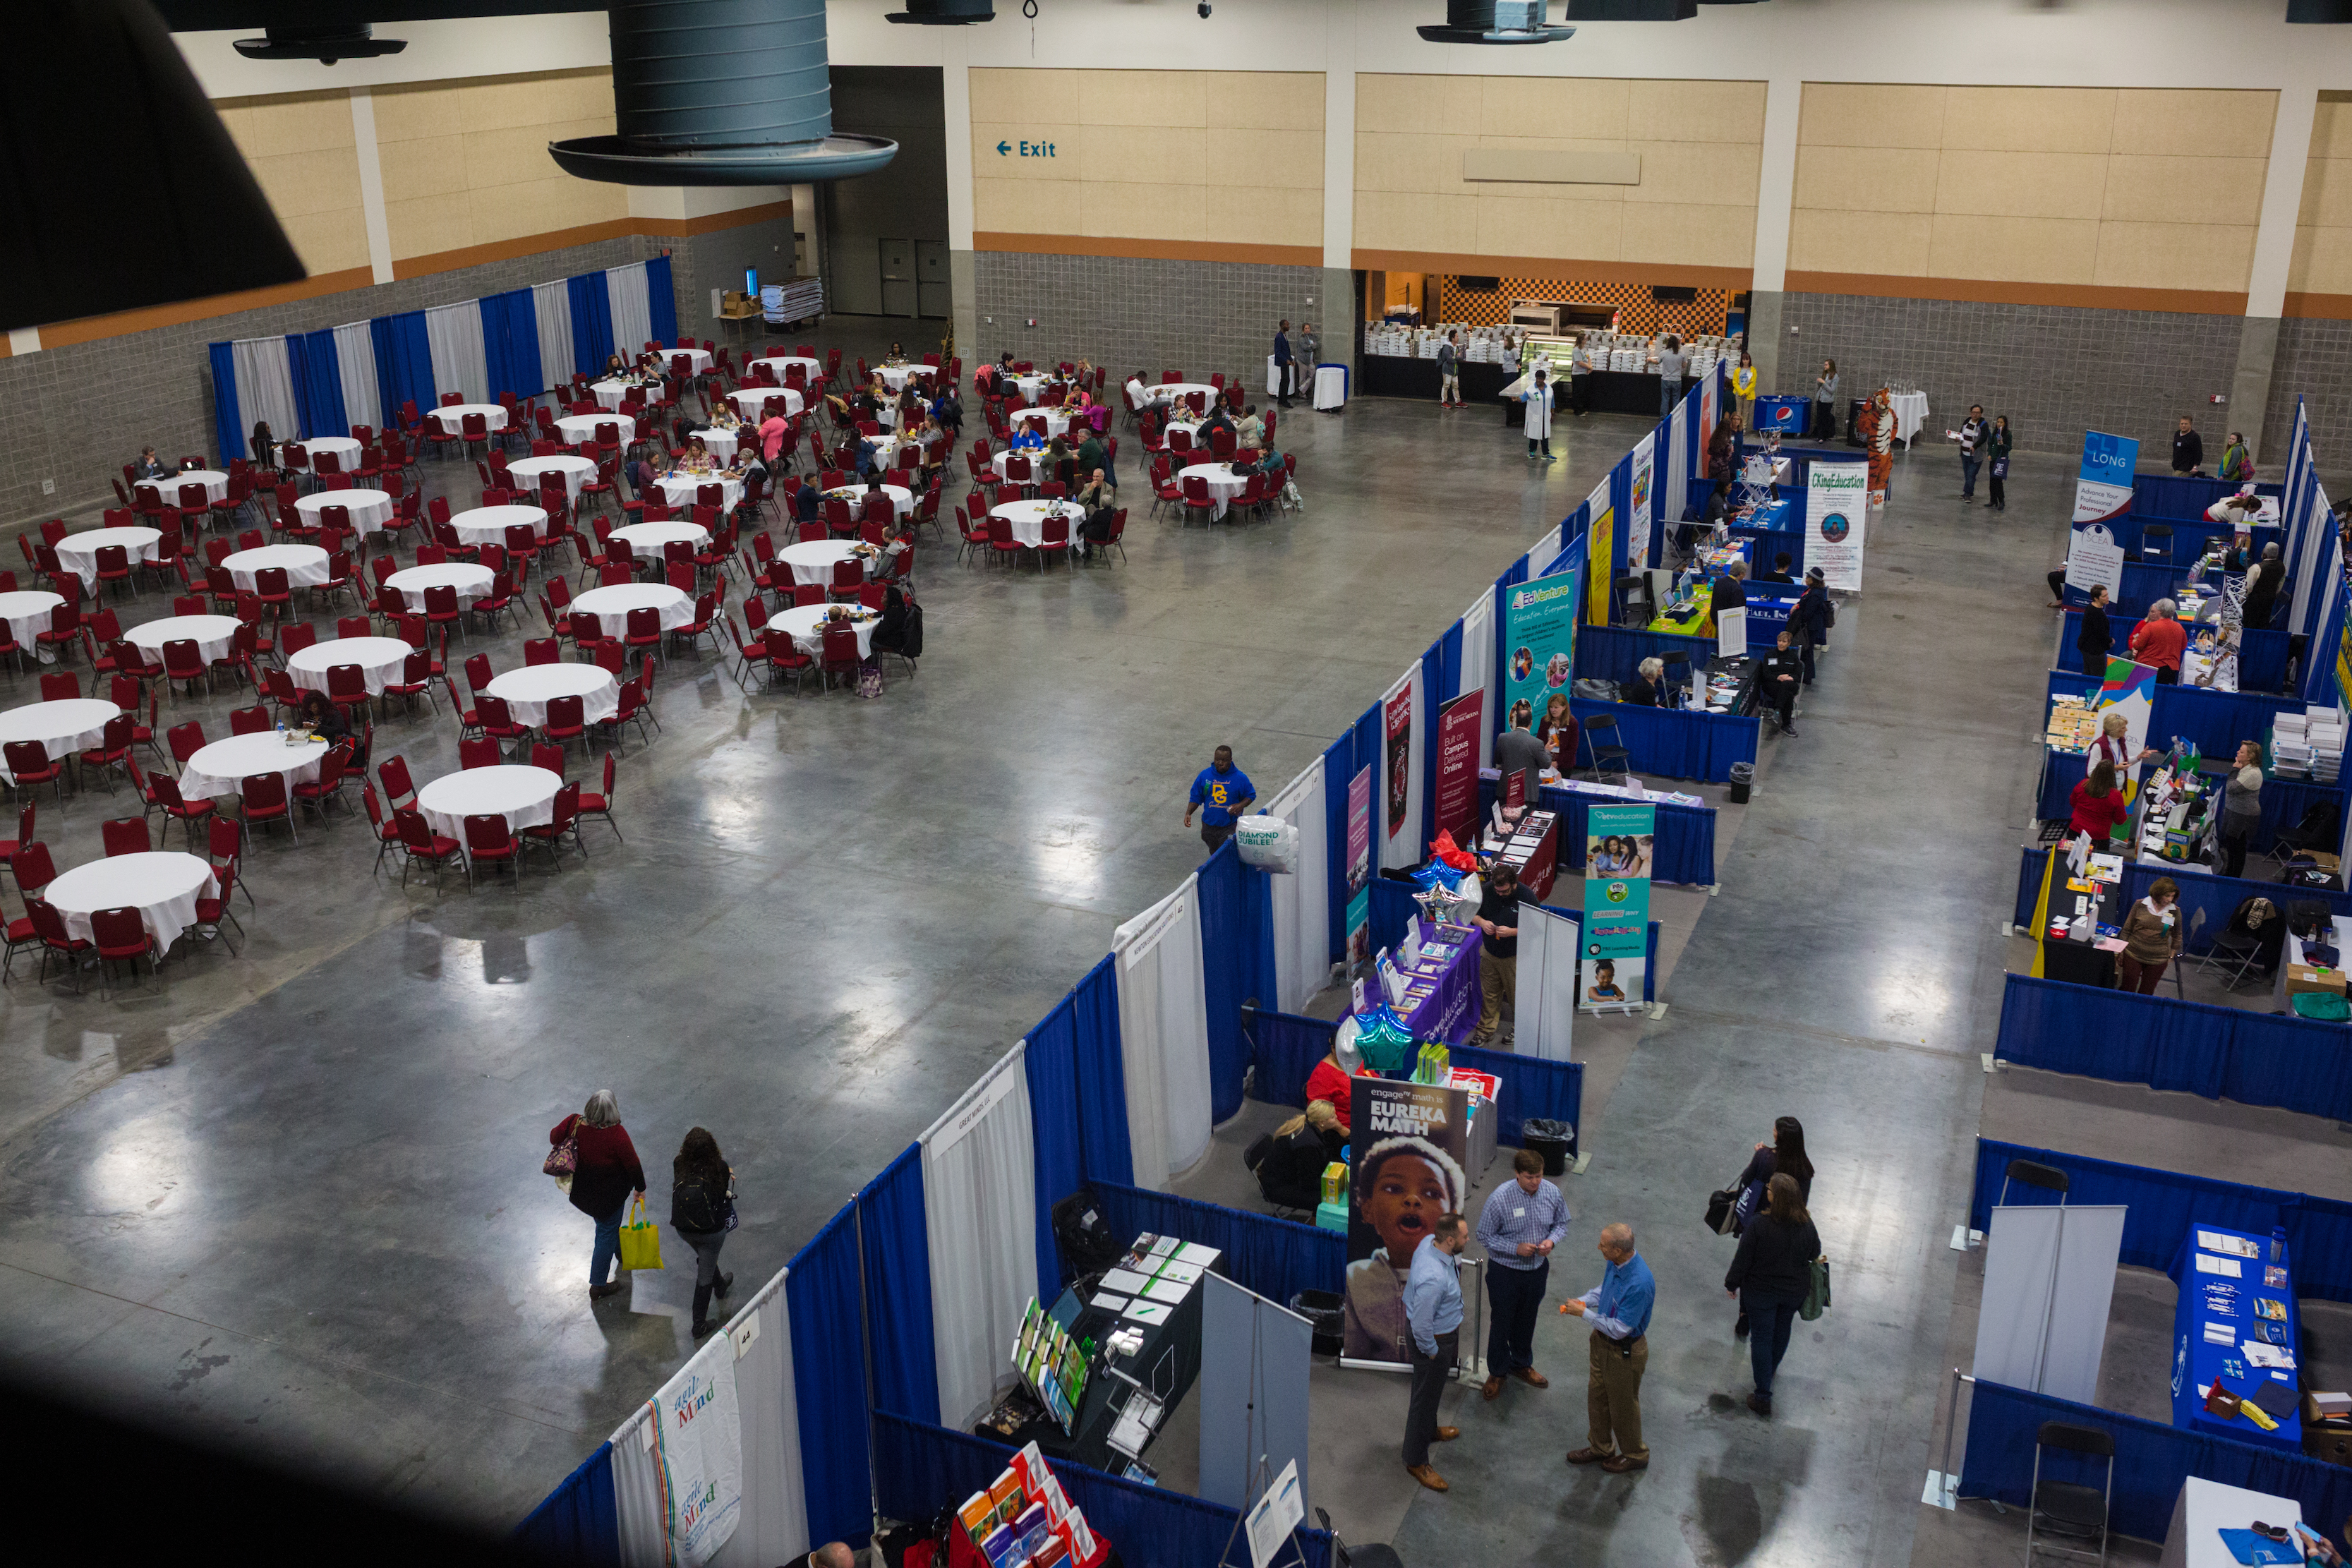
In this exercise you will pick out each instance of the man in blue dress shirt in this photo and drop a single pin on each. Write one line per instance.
(1620, 1314)
(1433, 1310)
(1522, 1222)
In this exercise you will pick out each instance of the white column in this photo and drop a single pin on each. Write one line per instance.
(379, 228)
(1776, 182)
(955, 102)
(1338, 138)
(24, 341)
(2298, 106)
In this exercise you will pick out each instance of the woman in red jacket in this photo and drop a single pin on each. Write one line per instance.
(2099, 807)
(603, 1176)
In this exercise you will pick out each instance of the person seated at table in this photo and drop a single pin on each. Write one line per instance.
(897, 539)
(808, 504)
(1101, 502)
(1722, 452)
(1779, 572)
(615, 367)
(1328, 1086)
(1057, 452)
(1094, 458)
(896, 356)
(1220, 419)
(1642, 692)
(1779, 676)
(2238, 555)
(1029, 436)
(322, 717)
(2099, 807)
(890, 630)
(1249, 430)
(947, 411)
(149, 466)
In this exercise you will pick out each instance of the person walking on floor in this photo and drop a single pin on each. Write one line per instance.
(2242, 806)
(1449, 374)
(1784, 1156)
(1825, 387)
(2096, 635)
(1432, 1311)
(1970, 436)
(1998, 441)
(1221, 792)
(1538, 398)
(1770, 1275)
(2151, 937)
(2188, 449)
(1282, 363)
(1619, 1311)
(1520, 1224)
(1498, 951)
(1809, 618)
(1743, 387)
(1310, 355)
(702, 1210)
(604, 1172)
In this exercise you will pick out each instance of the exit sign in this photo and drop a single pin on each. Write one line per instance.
(1024, 149)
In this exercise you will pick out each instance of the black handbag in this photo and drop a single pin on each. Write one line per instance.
(1722, 1209)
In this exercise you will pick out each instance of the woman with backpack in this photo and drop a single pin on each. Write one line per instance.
(1784, 1156)
(702, 1210)
(1771, 1274)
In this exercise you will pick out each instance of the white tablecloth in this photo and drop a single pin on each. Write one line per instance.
(1223, 483)
(220, 768)
(524, 796)
(211, 634)
(1168, 390)
(527, 691)
(896, 376)
(749, 400)
(813, 563)
(646, 539)
(1910, 413)
(73, 724)
(27, 611)
(343, 448)
(215, 485)
(609, 393)
(902, 500)
(698, 359)
(1028, 518)
(78, 553)
(1027, 383)
(579, 427)
(719, 444)
(472, 583)
(575, 471)
(452, 419)
(1331, 385)
(611, 606)
(887, 448)
(804, 624)
(369, 510)
(305, 564)
(380, 660)
(1052, 421)
(683, 488)
(164, 888)
(781, 364)
(488, 524)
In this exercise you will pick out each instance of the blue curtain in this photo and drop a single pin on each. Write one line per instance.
(1050, 1065)
(661, 302)
(1392, 911)
(1102, 1074)
(510, 344)
(821, 1290)
(1275, 1257)
(2151, 1461)
(1285, 1049)
(2319, 670)
(577, 1525)
(228, 420)
(925, 1468)
(1678, 742)
(2262, 657)
(898, 1288)
(404, 363)
(1686, 841)
(2217, 896)
(1237, 965)
(1339, 767)
(591, 324)
(1615, 653)
(318, 377)
(1441, 674)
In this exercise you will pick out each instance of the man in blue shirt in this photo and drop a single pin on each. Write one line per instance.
(1433, 1311)
(1520, 1224)
(1220, 794)
(1620, 1314)
(1282, 362)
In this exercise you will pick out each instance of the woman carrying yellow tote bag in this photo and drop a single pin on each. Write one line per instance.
(640, 1240)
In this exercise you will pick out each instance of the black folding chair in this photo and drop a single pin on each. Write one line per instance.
(2068, 1507)
(2034, 1173)
(1600, 759)
(2316, 831)
(2237, 955)
(1677, 676)
(2156, 542)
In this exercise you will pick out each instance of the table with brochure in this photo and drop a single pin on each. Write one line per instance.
(2235, 1338)
(1108, 1364)
(1431, 981)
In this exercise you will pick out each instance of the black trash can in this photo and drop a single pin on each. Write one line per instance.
(1555, 1141)
(1743, 775)
(1321, 1308)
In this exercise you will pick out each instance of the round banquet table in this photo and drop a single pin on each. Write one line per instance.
(1029, 384)
(611, 606)
(610, 393)
(749, 400)
(218, 769)
(682, 489)
(805, 625)
(305, 564)
(698, 358)
(896, 376)
(813, 561)
(524, 796)
(1192, 428)
(27, 611)
(452, 418)
(163, 887)
(579, 427)
(1028, 518)
(575, 471)
(215, 485)
(1223, 483)
(719, 444)
(902, 500)
(488, 524)
(646, 539)
(211, 634)
(781, 364)
(71, 724)
(527, 691)
(1910, 413)
(380, 660)
(343, 448)
(369, 510)
(78, 553)
(1039, 471)
(472, 583)
(1052, 421)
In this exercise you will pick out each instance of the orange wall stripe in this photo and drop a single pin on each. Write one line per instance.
(2319, 306)
(1668, 274)
(90, 329)
(1997, 291)
(1149, 249)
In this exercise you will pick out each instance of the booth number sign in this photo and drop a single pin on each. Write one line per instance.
(1026, 149)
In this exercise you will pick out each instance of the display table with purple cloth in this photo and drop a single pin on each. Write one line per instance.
(1449, 1011)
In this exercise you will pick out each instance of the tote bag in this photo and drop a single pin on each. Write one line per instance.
(640, 1240)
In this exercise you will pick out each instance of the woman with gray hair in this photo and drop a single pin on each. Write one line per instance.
(2159, 640)
(604, 1172)
(1642, 692)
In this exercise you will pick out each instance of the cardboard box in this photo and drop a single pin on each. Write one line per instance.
(2302, 978)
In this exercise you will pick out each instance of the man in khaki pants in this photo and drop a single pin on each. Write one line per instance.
(1620, 1314)
(1498, 952)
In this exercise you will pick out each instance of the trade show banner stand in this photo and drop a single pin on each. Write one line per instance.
(2050, 1275)
(1837, 521)
(1255, 1356)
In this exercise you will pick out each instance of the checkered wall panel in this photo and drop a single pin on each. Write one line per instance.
(1637, 313)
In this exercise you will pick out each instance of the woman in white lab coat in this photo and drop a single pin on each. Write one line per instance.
(1538, 398)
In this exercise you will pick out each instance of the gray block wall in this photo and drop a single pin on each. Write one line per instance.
(2313, 360)
(1197, 316)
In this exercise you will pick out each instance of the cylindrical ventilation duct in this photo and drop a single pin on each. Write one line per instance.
(720, 92)
(944, 13)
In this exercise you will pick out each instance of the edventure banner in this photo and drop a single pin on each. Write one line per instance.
(2103, 489)
(1360, 870)
(1459, 725)
(1539, 629)
(1835, 519)
(1619, 841)
(1642, 526)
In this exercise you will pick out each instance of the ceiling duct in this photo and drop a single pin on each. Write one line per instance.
(2319, 10)
(1495, 22)
(325, 44)
(1632, 10)
(127, 195)
(720, 92)
(943, 13)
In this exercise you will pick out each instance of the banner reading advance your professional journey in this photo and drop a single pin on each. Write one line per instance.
(1620, 842)
(1836, 518)
(2102, 488)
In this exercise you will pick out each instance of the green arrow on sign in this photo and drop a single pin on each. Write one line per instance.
(1002, 148)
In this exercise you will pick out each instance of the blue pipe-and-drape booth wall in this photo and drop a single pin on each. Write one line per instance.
(404, 362)
(893, 1235)
(2189, 1047)
(591, 324)
(2284, 801)
(317, 382)
(1236, 964)
(1077, 1105)
(1615, 653)
(1288, 1046)
(2262, 655)
(574, 1526)
(823, 1288)
(1276, 1257)
(1684, 849)
(1678, 742)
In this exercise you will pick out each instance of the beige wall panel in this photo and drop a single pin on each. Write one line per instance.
(429, 224)
(1706, 173)
(1698, 111)
(328, 241)
(1266, 100)
(2022, 184)
(1025, 206)
(1241, 215)
(1437, 104)
(1099, 153)
(300, 183)
(1386, 221)
(1143, 98)
(2013, 249)
(2327, 193)
(1895, 244)
(2331, 129)
(412, 113)
(1288, 160)
(1689, 235)
(1589, 231)
(2195, 122)
(998, 93)
(1867, 179)
(1862, 114)
(1143, 211)
(1071, 149)
(302, 123)
(1430, 163)
(2163, 190)
(2323, 262)
(429, 166)
(1574, 106)
(2174, 256)
(2030, 119)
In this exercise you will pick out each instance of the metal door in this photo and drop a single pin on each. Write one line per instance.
(932, 291)
(899, 295)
